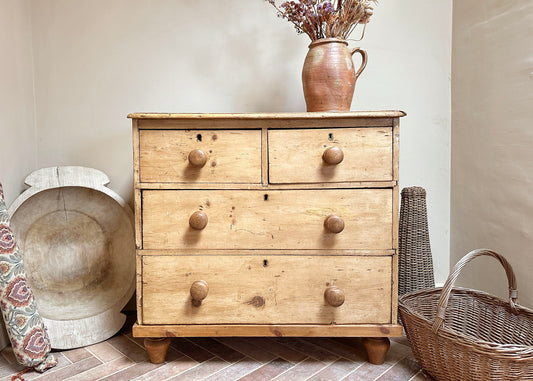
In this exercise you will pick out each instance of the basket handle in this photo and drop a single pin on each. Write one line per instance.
(447, 288)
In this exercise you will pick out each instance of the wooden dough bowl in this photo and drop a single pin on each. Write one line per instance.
(78, 246)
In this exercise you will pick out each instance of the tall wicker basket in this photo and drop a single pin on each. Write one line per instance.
(415, 264)
(462, 334)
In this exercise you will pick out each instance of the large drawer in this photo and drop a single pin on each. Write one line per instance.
(231, 156)
(296, 156)
(252, 219)
(266, 289)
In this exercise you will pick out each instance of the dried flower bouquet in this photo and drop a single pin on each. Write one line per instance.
(325, 19)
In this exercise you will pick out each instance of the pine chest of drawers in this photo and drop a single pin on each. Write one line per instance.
(266, 225)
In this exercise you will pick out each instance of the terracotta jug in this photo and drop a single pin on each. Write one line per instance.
(329, 75)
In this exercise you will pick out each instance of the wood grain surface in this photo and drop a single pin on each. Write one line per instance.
(266, 289)
(231, 156)
(291, 219)
(266, 254)
(295, 156)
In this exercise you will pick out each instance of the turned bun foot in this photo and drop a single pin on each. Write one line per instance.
(376, 349)
(157, 349)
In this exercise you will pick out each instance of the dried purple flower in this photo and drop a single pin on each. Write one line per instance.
(321, 19)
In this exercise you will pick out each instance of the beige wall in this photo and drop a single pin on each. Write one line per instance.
(18, 140)
(492, 140)
(96, 61)
(17, 129)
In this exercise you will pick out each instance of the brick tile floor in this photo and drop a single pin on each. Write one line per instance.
(123, 357)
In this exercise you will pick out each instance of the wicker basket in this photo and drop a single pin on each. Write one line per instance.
(415, 264)
(462, 334)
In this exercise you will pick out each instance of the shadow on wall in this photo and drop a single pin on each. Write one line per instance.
(280, 89)
(109, 151)
(253, 77)
(250, 74)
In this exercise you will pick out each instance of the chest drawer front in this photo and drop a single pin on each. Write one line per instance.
(296, 156)
(285, 219)
(231, 156)
(266, 289)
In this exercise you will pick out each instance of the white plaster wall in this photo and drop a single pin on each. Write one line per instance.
(492, 140)
(96, 61)
(17, 129)
(409, 46)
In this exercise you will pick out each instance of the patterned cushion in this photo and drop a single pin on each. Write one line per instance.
(25, 327)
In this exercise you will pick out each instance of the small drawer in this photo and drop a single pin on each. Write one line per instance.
(282, 219)
(330, 155)
(200, 156)
(266, 289)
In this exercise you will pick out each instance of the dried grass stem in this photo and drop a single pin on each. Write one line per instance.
(325, 19)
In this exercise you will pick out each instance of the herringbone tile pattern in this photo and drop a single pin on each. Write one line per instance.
(123, 357)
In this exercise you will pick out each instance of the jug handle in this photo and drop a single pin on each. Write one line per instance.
(364, 56)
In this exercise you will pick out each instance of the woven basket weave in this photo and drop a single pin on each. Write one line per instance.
(462, 334)
(415, 263)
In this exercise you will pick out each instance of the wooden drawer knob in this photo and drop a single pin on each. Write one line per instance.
(334, 296)
(333, 156)
(197, 158)
(334, 224)
(198, 220)
(199, 290)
